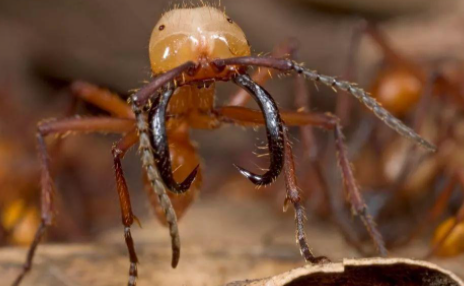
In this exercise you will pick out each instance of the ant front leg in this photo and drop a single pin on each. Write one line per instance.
(293, 196)
(59, 127)
(248, 117)
(119, 150)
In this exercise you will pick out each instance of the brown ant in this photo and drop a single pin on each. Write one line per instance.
(431, 96)
(187, 58)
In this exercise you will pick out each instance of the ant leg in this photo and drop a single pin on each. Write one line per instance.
(286, 49)
(119, 150)
(285, 65)
(344, 104)
(102, 98)
(100, 124)
(293, 196)
(248, 117)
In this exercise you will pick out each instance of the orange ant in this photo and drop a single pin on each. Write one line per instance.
(431, 98)
(190, 50)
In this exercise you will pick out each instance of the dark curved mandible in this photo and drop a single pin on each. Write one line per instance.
(274, 131)
(159, 142)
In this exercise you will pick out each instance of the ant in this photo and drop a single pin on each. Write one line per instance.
(187, 59)
(431, 98)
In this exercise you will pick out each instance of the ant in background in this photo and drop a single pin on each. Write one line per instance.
(187, 59)
(430, 97)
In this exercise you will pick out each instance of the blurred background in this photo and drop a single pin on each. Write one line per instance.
(46, 45)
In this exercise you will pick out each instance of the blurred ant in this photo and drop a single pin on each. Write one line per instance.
(431, 97)
(187, 59)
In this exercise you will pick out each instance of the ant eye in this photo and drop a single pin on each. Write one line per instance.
(229, 20)
(161, 27)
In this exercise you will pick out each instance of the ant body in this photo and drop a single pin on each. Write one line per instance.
(190, 51)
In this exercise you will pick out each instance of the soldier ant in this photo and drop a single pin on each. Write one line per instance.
(187, 59)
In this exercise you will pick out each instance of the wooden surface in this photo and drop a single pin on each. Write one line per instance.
(222, 242)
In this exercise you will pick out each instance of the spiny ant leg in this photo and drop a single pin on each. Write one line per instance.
(156, 182)
(47, 216)
(319, 187)
(288, 66)
(159, 142)
(343, 105)
(274, 131)
(352, 190)
(248, 117)
(118, 151)
(31, 252)
(294, 197)
(100, 124)
(302, 102)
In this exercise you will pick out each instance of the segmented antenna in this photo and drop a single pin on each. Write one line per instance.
(390, 120)
(156, 182)
(286, 65)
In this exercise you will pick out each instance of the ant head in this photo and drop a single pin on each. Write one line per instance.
(199, 34)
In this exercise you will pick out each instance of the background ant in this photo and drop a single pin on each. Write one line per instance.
(187, 62)
(429, 97)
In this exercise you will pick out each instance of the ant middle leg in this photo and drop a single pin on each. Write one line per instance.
(293, 196)
(59, 127)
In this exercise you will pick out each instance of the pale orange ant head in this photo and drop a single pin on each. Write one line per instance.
(197, 34)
